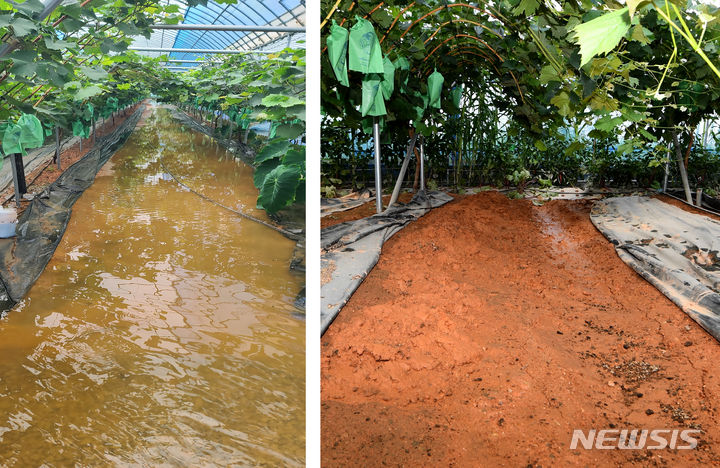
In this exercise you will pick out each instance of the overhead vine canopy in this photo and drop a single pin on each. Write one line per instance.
(64, 64)
(55, 57)
(638, 69)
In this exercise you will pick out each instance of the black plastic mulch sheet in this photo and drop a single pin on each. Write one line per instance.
(673, 249)
(41, 226)
(350, 250)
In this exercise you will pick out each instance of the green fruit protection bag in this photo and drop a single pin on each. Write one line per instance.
(372, 98)
(388, 82)
(435, 82)
(28, 133)
(367, 125)
(31, 132)
(111, 106)
(420, 110)
(456, 95)
(80, 129)
(364, 48)
(11, 140)
(337, 43)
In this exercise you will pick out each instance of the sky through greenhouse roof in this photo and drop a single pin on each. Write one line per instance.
(245, 12)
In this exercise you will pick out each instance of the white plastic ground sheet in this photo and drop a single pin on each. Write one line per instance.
(673, 249)
(350, 250)
(348, 202)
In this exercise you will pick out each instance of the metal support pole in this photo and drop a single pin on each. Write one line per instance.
(422, 164)
(667, 172)
(403, 169)
(57, 147)
(378, 172)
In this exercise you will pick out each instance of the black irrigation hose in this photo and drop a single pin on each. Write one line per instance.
(285, 233)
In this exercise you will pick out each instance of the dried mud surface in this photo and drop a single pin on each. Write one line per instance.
(491, 328)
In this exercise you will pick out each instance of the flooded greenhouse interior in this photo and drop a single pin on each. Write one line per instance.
(152, 250)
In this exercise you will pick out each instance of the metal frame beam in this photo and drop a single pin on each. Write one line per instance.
(229, 27)
(198, 51)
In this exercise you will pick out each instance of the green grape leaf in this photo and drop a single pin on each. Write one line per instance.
(281, 100)
(87, 92)
(94, 73)
(602, 34)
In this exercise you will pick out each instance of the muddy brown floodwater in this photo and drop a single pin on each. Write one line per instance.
(490, 329)
(162, 330)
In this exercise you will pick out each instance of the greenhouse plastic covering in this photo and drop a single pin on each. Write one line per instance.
(290, 13)
(350, 250)
(676, 251)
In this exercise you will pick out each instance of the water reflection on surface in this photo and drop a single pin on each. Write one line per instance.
(161, 331)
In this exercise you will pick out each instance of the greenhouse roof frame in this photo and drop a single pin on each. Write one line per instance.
(227, 27)
(198, 51)
(248, 25)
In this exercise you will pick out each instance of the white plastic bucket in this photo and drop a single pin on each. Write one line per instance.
(8, 221)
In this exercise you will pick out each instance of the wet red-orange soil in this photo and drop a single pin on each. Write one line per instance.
(491, 328)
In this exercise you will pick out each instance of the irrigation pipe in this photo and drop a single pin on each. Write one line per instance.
(284, 232)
